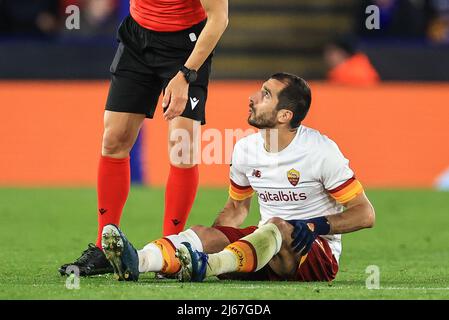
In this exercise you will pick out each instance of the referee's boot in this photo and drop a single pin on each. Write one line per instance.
(91, 262)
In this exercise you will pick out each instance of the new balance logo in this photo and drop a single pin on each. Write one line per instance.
(102, 211)
(193, 102)
(257, 173)
(176, 221)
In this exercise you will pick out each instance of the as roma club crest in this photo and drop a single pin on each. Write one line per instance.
(293, 177)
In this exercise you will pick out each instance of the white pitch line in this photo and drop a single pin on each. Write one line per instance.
(405, 288)
(317, 288)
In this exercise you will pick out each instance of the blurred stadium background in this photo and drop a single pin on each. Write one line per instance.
(387, 108)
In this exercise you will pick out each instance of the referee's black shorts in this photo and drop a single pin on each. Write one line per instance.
(146, 61)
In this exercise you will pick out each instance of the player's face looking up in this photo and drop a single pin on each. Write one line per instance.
(263, 113)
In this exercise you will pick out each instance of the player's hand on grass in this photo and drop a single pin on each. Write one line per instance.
(175, 98)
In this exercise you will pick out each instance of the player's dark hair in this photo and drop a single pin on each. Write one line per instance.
(296, 96)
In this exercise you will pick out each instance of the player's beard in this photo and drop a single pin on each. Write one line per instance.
(265, 120)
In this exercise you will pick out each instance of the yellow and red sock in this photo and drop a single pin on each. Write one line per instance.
(180, 193)
(112, 190)
(170, 264)
(249, 254)
(245, 254)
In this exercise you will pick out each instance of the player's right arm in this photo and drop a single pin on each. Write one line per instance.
(237, 207)
(233, 213)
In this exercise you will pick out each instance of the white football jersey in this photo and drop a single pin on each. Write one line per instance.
(309, 178)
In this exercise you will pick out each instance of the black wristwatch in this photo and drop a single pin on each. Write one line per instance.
(189, 74)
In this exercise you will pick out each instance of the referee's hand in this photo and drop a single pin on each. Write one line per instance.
(175, 97)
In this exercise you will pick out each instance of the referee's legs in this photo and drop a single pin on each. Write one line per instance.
(120, 133)
(182, 183)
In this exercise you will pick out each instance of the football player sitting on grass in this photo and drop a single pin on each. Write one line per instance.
(307, 193)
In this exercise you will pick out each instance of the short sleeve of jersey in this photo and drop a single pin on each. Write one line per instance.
(239, 188)
(337, 177)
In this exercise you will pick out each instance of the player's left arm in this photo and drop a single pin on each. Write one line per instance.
(359, 214)
(175, 97)
(339, 181)
(342, 185)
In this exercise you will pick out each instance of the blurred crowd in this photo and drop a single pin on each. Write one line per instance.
(423, 19)
(348, 66)
(48, 17)
(418, 19)
(422, 22)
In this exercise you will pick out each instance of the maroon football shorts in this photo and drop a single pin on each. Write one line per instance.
(319, 265)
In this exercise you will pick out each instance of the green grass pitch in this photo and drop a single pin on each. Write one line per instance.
(42, 228)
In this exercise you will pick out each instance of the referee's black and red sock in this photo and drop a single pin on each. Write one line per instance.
(180, 193)
(112, 189)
